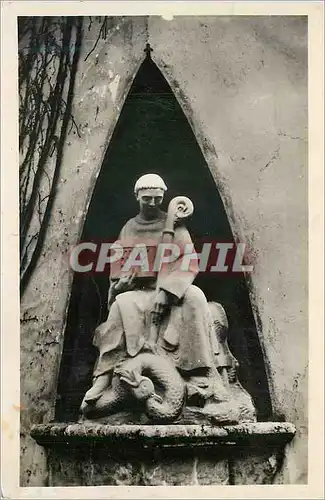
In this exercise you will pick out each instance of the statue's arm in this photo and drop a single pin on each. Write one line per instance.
(177, 280)
(113, 288)
(111, 294)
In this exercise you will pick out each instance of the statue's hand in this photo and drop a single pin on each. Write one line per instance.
(160, 306)
(150, 346)
(125, 284)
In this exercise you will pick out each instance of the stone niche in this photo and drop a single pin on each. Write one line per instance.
(95, 454)
(232, 446)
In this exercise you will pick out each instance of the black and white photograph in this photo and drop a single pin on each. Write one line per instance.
(163, 247)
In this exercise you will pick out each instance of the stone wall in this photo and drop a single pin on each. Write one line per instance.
(251, 123)
(102, 82)
(242, 83)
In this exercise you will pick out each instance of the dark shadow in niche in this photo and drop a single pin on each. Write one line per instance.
(153, 135)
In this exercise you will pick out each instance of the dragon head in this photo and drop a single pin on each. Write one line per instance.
(142, 387)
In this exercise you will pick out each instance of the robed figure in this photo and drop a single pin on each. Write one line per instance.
(167, 298)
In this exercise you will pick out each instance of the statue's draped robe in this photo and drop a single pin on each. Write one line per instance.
(186, 334)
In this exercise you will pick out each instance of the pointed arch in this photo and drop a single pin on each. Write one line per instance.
(155, 132)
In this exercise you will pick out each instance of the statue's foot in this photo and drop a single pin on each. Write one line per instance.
(101, 383)
(83, 407)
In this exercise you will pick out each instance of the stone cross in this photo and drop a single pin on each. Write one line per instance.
(148, 50)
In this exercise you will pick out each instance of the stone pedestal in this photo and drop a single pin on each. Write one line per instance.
(96, 454)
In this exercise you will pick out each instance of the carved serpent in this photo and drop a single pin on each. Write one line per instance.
(139, 378)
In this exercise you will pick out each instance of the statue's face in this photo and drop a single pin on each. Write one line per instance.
(150, 201)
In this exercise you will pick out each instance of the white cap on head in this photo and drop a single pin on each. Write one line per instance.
(150, 181)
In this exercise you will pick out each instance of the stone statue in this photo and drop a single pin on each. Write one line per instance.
(163, 353)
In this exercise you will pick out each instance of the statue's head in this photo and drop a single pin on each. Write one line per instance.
(149, 190)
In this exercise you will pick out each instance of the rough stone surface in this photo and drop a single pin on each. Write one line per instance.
(260, 466)
(101, 466)
(93, 468)
(251, 123)
(92, 454)
(177, 435)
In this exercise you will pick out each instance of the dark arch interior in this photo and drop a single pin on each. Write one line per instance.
(153, 135)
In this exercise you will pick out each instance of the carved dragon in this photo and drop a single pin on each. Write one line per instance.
(147, 379)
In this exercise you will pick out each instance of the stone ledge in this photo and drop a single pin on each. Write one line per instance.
(148, 436)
